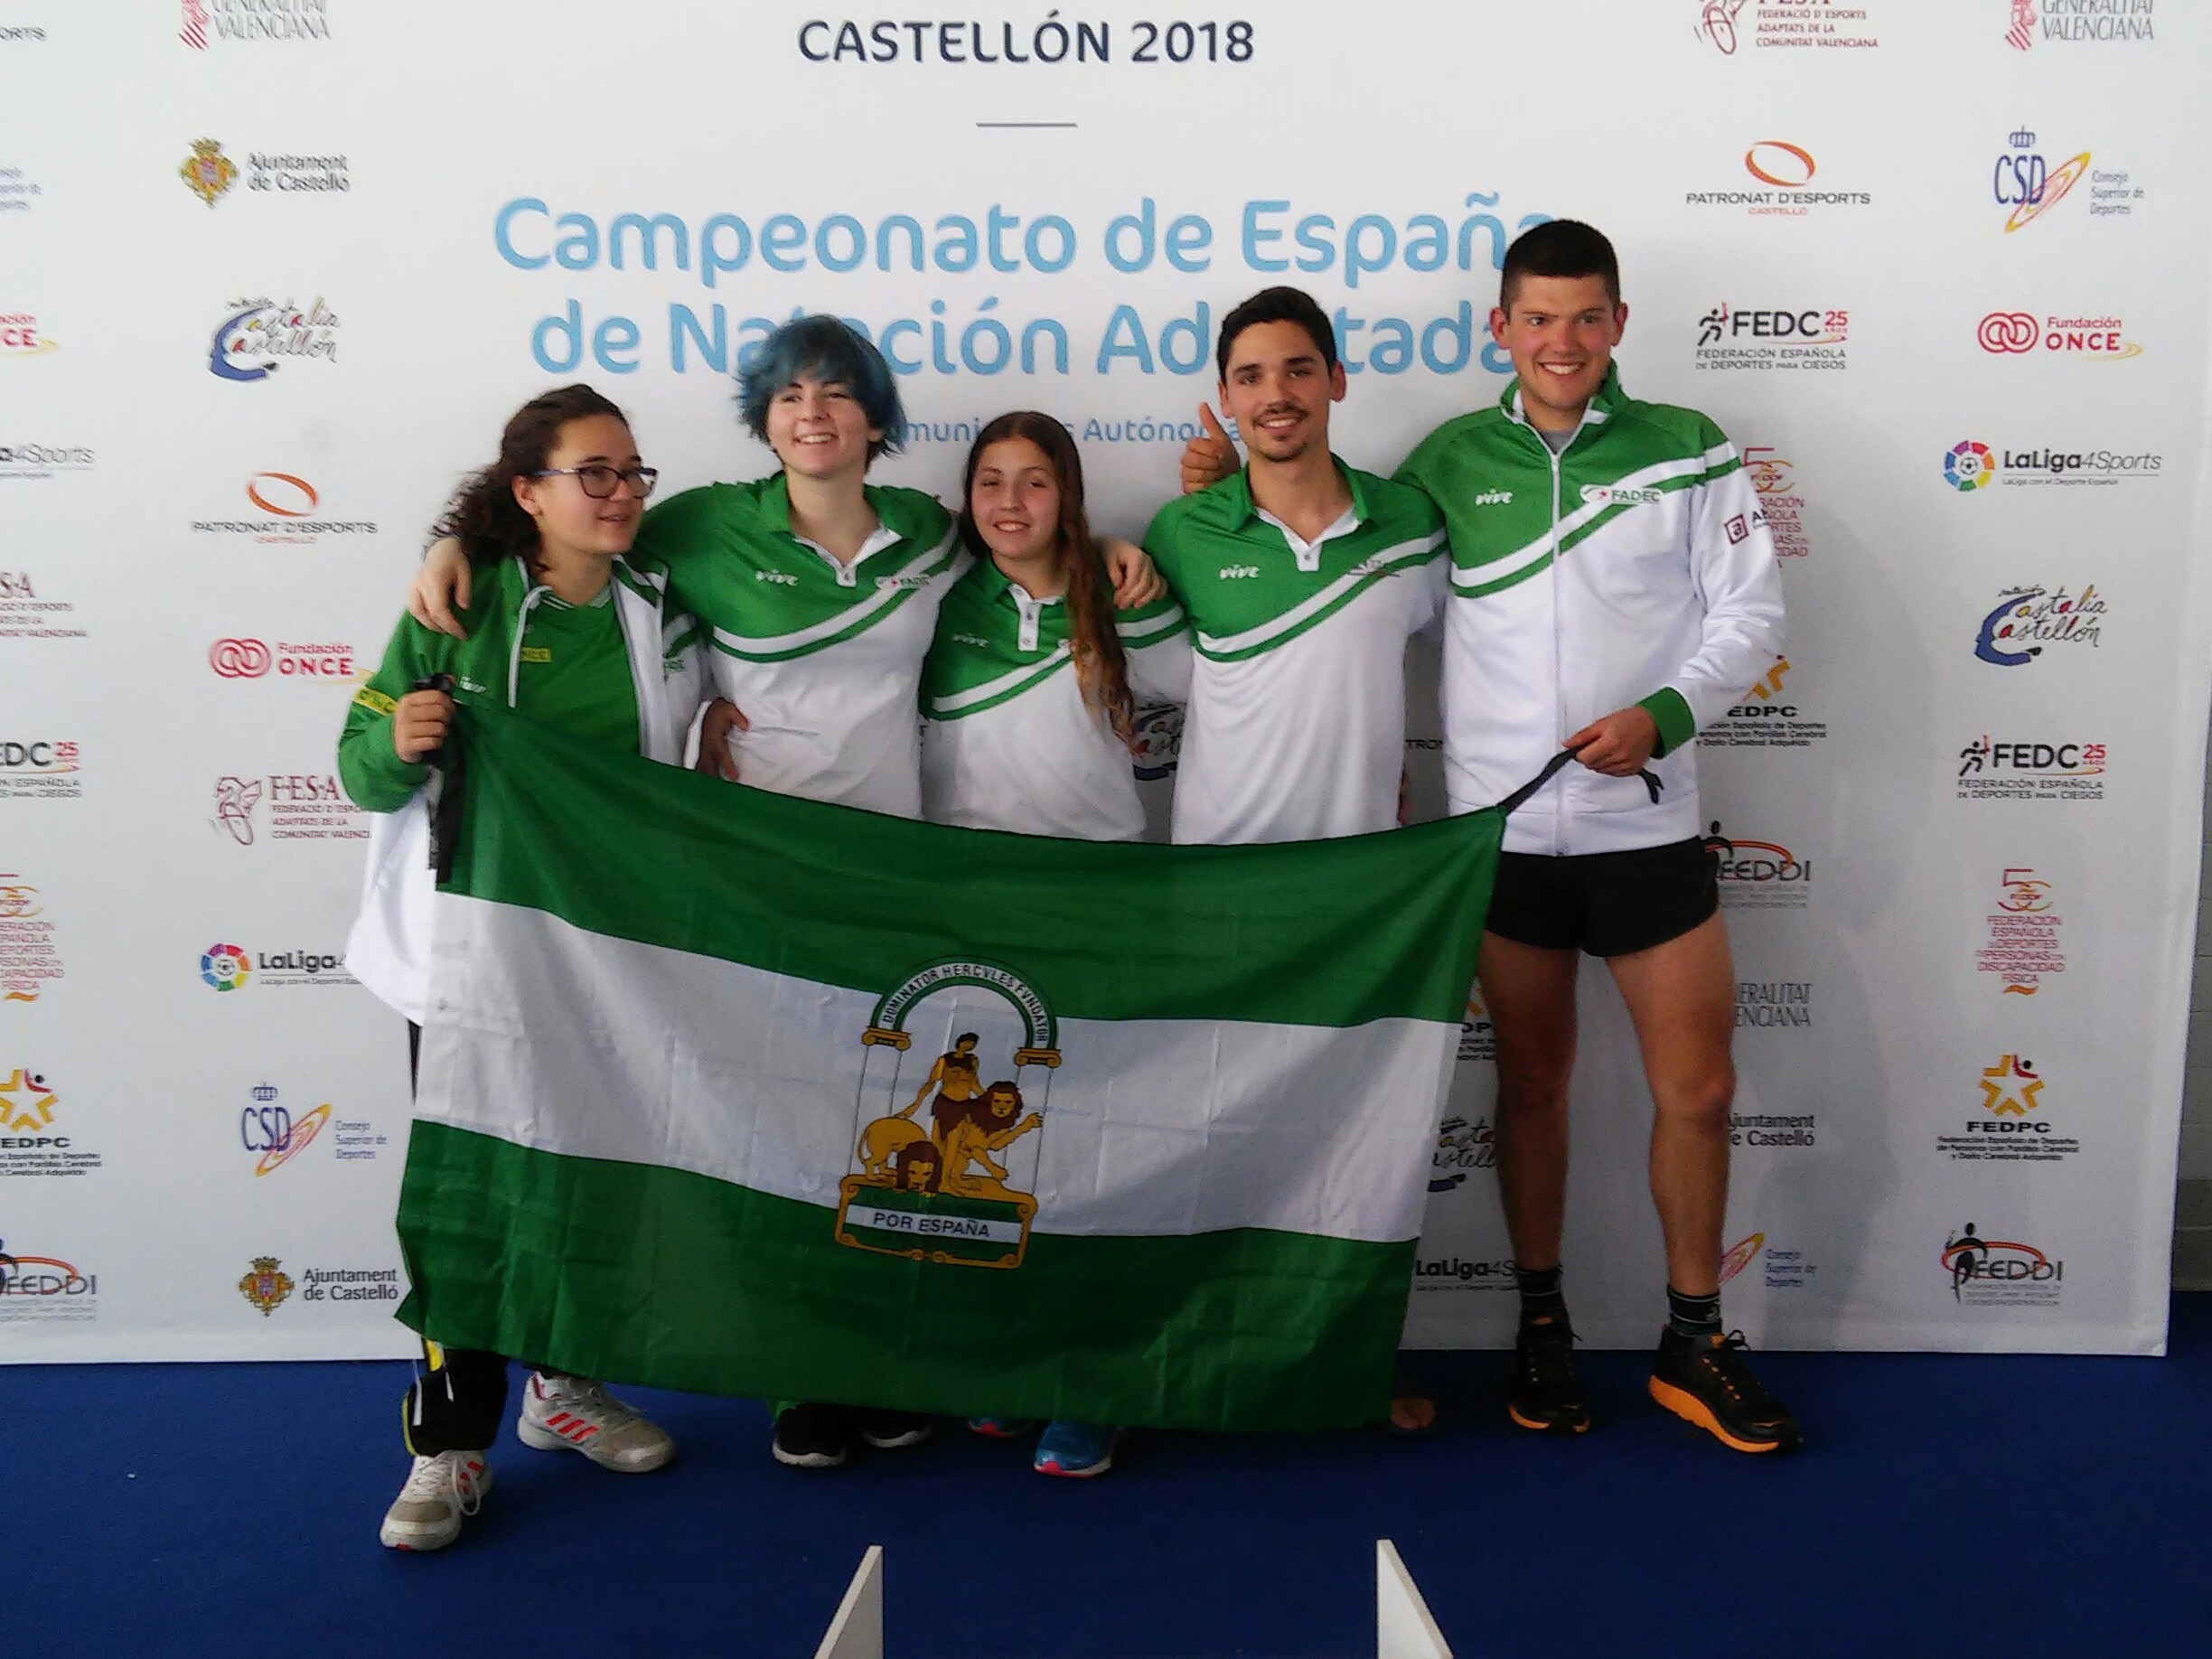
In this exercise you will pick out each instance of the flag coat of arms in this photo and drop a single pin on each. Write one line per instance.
(732, 1092)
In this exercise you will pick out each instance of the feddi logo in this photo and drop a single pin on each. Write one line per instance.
(1997, 1272)
(44, 1288)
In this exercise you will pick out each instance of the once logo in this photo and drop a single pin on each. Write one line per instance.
(2009, 330)
(240, 659)
(1773, 162)
(225, 967)
(282, 493)
(19, 336)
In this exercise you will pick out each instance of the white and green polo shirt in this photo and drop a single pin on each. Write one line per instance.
(1295, 727)
(1009, 742)
(823, 659)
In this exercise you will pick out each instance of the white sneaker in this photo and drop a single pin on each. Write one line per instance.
(440, 1493)
(576, 1415)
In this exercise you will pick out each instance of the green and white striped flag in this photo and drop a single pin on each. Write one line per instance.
(732, 1092)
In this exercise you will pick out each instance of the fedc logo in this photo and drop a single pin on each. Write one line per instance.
(1993, 771)
(225, 967)
(1769, 337)
(2013, 334)
(19, 336)
(1992, 1272)
(2023, 935)
(2027, 619)
(45, 769)
(257, 335)
(271, 1130)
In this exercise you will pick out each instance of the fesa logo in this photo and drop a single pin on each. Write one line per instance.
(2028, 185)
(19, 336)
(225, 967)
(2099, 339)
(250, 659)
(271, 1130)
(1771, 161)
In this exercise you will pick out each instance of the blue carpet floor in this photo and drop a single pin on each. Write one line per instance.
(1944, 1505)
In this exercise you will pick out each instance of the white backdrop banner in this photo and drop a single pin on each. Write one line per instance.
(274, 272)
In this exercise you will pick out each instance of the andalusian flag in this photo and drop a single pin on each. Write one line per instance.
(731, 1091)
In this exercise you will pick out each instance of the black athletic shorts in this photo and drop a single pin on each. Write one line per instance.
(1607, 903)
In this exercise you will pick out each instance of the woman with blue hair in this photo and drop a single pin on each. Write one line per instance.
(817, 593)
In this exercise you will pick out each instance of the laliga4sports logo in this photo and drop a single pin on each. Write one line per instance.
(1970, 465)
(230, 967)
(2013, 334)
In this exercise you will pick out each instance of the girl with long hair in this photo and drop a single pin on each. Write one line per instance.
(565, 630)
(1028, 697)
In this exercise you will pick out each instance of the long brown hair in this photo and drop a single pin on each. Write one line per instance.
(483, 515)
(1102, 668)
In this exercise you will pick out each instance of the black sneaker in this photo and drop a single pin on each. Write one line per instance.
(889, 1431)
(1705, 1381)
(812, 1437)
(1546, 1396)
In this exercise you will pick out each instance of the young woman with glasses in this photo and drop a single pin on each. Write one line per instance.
(562, 629)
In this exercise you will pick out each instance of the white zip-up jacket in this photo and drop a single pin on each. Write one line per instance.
(388, 948)
(1633, 568)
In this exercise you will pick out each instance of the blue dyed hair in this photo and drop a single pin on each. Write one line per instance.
(823, 349)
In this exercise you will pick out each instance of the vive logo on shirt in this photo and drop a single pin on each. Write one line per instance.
(1231, 572)
(977, 640)
(1494, 498)
(1613, 495)
(783, 577)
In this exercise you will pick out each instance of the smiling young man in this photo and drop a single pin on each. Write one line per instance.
(1614, 588)
(1303, 579)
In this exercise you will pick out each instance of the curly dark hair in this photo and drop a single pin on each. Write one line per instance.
(483, 515)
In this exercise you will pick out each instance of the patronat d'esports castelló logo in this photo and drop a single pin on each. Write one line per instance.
(943, 1190)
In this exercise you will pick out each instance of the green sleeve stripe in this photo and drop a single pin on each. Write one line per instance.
(1145, 625)
(1670, 712)
(830, 630)
(1319, 606)
(993, 692)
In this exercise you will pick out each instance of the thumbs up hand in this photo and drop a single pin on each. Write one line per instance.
(1211, 456)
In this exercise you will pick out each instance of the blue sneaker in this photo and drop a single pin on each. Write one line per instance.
(1076, 1450)
(1002, 1428)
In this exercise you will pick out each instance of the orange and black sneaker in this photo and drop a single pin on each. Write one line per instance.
(1546, 1396)
(1706, 1381)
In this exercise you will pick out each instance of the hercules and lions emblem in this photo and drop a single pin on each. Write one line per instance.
(940, 1190)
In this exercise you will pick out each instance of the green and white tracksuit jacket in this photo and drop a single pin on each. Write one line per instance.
(388, 948)
(1634, 568)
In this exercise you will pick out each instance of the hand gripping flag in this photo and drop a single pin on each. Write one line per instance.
(737, 1093)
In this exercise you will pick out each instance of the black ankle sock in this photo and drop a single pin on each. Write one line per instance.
(1541, 1297)
(1693, 1315)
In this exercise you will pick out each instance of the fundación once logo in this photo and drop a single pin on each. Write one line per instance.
(250, 659)
(2013, 334)
(19, 336)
